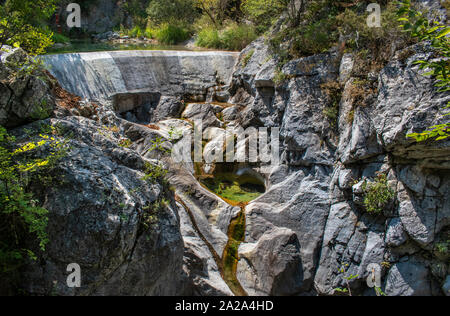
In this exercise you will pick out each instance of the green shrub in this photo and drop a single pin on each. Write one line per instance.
(314, 38)
(237, 37)
(149, 33)
(23, 221)
(418, 26)
(21, 24)
(151, 212)
(324, 22)
(125, 143)
(377, 194)
(135, 32)
(315, 32)
(209, 38)
(373, 45)
(280, 77)
(170, 34)
(135, 9)
(333, 90)
(442, 247)
(60, 38)
(247, 58)
(154, 173)
(332, 115)
(263, 13)
(178, 12)
(232, 37)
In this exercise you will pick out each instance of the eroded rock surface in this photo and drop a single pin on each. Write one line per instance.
(318, 192)
(312, 220)
(96, 219)
(23, 98)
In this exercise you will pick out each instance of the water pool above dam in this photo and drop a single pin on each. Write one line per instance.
(101, 75)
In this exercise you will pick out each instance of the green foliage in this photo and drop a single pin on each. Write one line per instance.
(232, 37)
(280, 77)
(135, 9)
(21, 24)
(209, 38)
(377, 194)
(436, 132)
(32, 66)
(237, 37)
(313, 33)
(42, 111)
(379, 292)
(333, 90)
(154, 173)
(171, 34)
(354, 28)
(332, 115)
(323, 24)
(175, 134)
(176, 12)
(150, 213)
(314, 38)
(442, 247)
(158, 145)
(23, 221)
(136, 32)
(149, 33)
(125, 143)
(418, 26)
(347, 279)
(233, 188)
(263, 13)
(247, 58)
(60, 38)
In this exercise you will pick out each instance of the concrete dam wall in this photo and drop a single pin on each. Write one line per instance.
(102, 75)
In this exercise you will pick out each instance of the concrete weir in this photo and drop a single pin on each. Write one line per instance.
(101, 75)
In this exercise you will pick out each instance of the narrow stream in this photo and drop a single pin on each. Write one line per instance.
(237, 190)
(227, 265)
(230, 257)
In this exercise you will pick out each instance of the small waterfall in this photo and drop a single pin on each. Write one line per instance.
(101, 75)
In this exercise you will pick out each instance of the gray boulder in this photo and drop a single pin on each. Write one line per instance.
(408, 102)
(168, 107)
(202, 112)
(97, 219)
(410, 278)
(276, 262)
(23, 98)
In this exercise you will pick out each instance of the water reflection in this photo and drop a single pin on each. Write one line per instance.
(85, 46)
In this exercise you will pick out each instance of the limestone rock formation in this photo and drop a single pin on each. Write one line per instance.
(97, 220)
(312, 219)
(316, 197)
(23, 97)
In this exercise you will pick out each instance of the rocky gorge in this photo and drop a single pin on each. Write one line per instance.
(306, 223)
